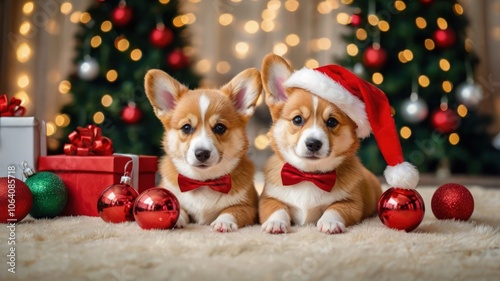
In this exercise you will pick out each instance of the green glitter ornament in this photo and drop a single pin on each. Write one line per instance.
(49, 193)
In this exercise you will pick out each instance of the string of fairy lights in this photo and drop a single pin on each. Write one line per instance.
(266, 22)
(24, 54)
(406, 56)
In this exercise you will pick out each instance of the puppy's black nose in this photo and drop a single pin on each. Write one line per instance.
(313, 145)
(202, 154)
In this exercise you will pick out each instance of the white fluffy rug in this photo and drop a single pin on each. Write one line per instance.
(86, 248)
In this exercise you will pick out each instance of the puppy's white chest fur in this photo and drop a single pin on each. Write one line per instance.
(306, 201)
(204, 204)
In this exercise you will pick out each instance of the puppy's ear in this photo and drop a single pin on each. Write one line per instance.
(163, 91)
(275, 70)
(244, 90)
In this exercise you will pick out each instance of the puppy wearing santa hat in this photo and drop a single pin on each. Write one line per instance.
(315, 177)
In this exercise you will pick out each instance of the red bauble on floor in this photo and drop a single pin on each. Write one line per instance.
(452, 201)
(116, 203)
(15, 200)
(156, 208)
(401, 209)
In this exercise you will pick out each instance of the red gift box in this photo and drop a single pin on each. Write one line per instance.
(86, 177)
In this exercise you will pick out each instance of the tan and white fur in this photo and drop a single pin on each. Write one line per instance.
(205, 138)
(311, 146)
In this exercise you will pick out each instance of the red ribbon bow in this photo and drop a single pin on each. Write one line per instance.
(291, 175)
(222, 184)
(88, 141)
(12, 108)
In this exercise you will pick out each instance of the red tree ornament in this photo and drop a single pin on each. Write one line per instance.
(116, 202)
(131, 114)
(426, 2)
(156, 208)
(356, 20)
(122, 15)
(177, 59)
(15, 200)
(445, 38)
(445, 121)
(374, 58)
(452, 201)
(401, 209)
(161, 36)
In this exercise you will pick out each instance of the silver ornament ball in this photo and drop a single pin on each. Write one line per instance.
(469, 93)
(88, 69)
(414, 110)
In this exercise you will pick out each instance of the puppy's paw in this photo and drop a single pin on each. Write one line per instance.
(331, 222)
(331, 227)
(224, 223)
(183, 220)
(275, 226)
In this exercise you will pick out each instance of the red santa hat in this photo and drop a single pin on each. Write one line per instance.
(368, 107)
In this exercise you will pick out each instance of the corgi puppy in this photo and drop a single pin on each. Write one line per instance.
(205, 141)
(313, 140)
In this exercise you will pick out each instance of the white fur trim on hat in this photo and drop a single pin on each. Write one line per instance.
(325, 87)
(402, 175)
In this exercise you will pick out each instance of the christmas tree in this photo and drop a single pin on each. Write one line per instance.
(418, 53)
(118, 43)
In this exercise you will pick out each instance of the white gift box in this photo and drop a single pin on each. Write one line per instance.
(21, 139)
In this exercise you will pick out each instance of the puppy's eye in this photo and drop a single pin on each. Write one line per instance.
(298, 120)
(187, 129)
(331, 122)
(219, 129)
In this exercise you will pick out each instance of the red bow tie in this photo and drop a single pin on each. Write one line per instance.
(222, 184)
(291, 175)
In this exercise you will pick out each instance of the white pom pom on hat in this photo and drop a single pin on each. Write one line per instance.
(368, 107)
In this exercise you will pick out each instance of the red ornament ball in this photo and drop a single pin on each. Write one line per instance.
(15, 200)
(426, 2)
(122, 15)
(452, 201)
(445, 38)
(177, 59)
(156, 208)
(401, 209)
(116, 203)
(445, 121)
(374, 58)
(356, 20)
(161, 37)
(131, 114)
